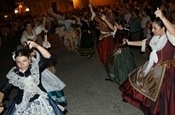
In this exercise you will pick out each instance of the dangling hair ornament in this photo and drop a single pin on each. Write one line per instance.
(13, 55)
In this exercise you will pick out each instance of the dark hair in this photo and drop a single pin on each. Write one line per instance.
(22, 52)
(28, 22)
(159, 22)
(136, 11)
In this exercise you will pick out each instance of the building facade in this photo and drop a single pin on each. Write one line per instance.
(43, 6)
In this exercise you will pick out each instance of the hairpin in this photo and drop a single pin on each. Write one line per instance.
(13, 55)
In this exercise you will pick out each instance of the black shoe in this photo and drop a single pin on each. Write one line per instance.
(107, 79)
(65, 111)
(124, 100)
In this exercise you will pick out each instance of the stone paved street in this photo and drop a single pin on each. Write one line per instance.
(87, 92)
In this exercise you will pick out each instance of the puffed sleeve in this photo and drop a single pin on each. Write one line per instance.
(43, 63)
(38, 30)
(145, 43)
(171, 38)
(6, 88)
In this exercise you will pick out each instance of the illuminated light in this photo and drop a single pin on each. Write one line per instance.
(16, 11)
(5, 16)
(20, 6)
(27, 9)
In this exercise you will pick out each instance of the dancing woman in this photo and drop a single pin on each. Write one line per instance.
(32, 98)
(151, 87)
(105, 43)
(121, 61)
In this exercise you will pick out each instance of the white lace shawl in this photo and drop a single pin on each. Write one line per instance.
(29, 85)
(18, 81)
(156, 43)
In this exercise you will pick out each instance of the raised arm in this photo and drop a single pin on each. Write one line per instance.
(92, 12)
(41, 49)
(59, 17)
(169, 26)
(46, 43)
(44, 21)
(107, 22)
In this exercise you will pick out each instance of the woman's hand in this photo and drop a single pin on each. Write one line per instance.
(90, 5)
(32, 44)
(1, 107)
(125, 41)
(159, 13)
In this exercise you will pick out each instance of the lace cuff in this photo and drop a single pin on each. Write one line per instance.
(143, 45)
(46, 45)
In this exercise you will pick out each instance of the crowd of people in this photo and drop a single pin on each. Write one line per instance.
(108, 30)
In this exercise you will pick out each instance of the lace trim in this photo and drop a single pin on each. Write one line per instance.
(38, 107)
(19, 81)
(29, 84)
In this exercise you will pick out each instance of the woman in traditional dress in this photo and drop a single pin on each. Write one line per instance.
(31, 98)
(52, 84)
(86, 47)
(32, 31)
(105, 43)
(121, 61)
(151, 87)
(71, 35)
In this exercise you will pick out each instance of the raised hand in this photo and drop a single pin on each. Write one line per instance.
(125, 41)
(90, 5)
(159, 13)
(50, 10)
(32, 44)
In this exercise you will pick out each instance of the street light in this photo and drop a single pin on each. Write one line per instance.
(21, 8)
(27, 9)
(5, 16)
(16, 11)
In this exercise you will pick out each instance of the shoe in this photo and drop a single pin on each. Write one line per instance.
(107, 79)
(89, 56)
(124, 100)
(65, 111)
